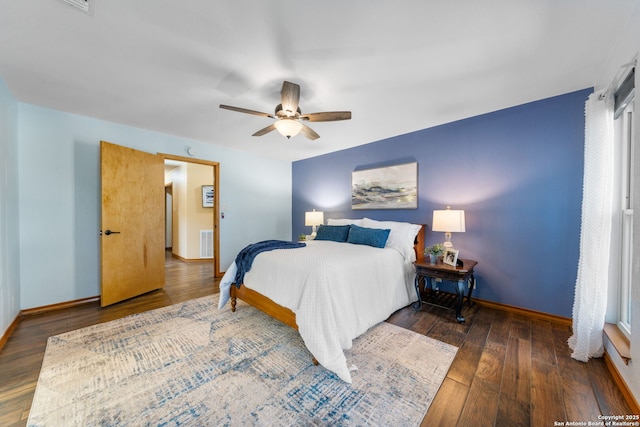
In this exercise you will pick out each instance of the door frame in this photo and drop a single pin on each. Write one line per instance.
(168, 191)
(216, 205)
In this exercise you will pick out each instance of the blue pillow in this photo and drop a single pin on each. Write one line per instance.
(336, 233)
(376, 237)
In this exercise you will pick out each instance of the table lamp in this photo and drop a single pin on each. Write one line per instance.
(313, 219)
(448, 221)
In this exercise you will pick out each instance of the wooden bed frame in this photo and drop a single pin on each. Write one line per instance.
(281, 313)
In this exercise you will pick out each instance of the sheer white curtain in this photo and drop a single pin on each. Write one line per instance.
(590, 303)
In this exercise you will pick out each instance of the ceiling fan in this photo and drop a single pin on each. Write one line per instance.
(288, 116)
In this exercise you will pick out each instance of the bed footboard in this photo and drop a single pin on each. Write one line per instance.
(264, 304)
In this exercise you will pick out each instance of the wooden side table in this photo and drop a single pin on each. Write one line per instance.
(461, 276)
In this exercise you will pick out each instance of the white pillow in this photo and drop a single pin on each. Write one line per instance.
(332, 221)
(401, 237)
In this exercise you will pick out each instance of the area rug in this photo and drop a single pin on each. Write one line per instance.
(192, 364)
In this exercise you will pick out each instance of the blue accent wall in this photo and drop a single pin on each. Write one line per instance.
(517, 173)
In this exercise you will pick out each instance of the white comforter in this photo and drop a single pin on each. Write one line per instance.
(336, 290)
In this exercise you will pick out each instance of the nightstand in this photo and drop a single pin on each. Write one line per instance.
(461, 276)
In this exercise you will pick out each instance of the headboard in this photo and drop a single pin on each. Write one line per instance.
(418, 244)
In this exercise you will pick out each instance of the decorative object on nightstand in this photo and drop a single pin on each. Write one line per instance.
(448, 221)
(434, 251)
(450, 257)
(313, 220)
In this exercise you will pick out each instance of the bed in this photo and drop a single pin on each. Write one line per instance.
(331, 290)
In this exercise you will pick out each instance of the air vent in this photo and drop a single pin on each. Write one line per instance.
(84, 5)
(206, 243)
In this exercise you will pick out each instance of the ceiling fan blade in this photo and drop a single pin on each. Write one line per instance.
(309, 133)
(327, 116)
(290, 98)
(264, 130)
(244, 110)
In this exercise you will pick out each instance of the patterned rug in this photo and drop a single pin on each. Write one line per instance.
(191, 364)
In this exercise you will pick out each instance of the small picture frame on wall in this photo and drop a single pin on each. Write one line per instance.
(450, 257)
(207, 196)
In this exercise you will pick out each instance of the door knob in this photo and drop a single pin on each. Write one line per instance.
(108, 232)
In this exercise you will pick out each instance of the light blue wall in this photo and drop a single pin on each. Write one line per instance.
(59, 199)
(9, 218)
(517, 173)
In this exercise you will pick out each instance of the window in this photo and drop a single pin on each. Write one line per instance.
(624, 108)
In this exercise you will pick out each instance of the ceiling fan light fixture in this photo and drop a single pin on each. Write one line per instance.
(288, 127)
(288, 116)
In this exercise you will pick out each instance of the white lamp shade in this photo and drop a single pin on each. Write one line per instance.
(448, 220)
(288, 127)
(313, 218)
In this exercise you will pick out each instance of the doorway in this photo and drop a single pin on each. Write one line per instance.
(191, 210)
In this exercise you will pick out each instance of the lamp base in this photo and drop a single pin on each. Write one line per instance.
(314, 230)
(447, 240)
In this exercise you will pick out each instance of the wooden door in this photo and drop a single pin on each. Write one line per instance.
(132, 241)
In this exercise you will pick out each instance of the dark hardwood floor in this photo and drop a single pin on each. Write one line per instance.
(510, 370)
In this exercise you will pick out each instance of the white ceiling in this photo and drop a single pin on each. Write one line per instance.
(399, 66)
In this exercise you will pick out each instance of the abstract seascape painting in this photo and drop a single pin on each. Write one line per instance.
(389, 187)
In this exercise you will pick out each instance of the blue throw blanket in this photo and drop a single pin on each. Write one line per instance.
(245, 257)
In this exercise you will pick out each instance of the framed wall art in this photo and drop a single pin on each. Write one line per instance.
(207, 196)
(390, 187)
